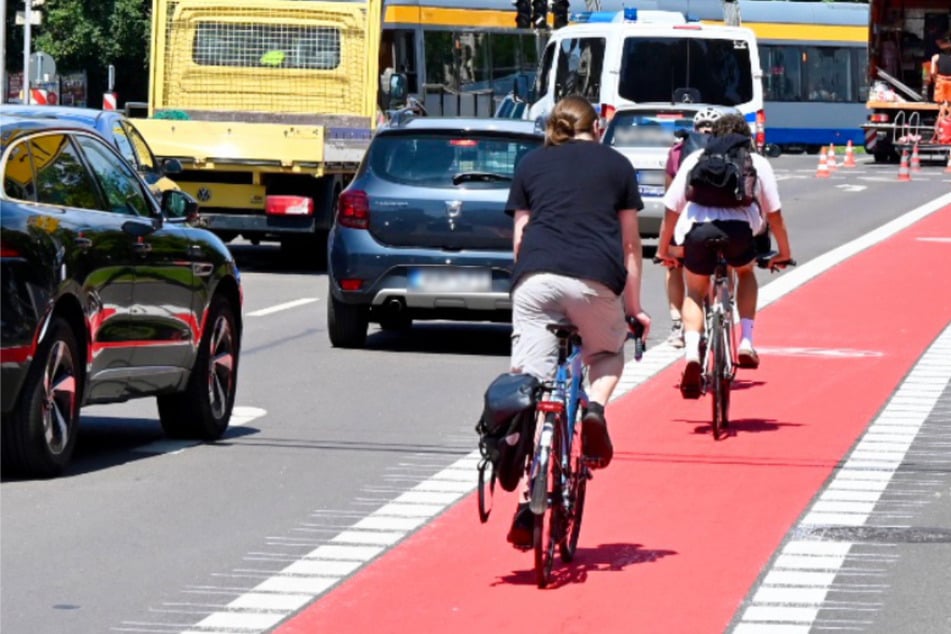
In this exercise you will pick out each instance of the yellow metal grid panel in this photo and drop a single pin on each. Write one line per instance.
(289, 57)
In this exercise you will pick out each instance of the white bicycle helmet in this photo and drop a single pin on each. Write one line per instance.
(706, 116)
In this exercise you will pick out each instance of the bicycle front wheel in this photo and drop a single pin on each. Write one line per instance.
(547, 484)
(577, 482)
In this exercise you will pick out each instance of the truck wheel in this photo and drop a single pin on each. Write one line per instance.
(40, 435)
(347, 324)
(203, 410)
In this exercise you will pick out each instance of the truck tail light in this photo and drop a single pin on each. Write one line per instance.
(353, 209)
(289, 206)
(880, 117)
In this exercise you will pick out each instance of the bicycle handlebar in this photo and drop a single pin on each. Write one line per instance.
(637, 332)
(762, 261)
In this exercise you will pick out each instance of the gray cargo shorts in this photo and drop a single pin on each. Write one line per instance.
(546, 298)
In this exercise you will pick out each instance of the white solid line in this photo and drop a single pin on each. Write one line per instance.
(790, 596)
(267, 601)
(773, 614)
(244, 621)
(322, 568)
(279, 307)
(816, 547)
(339, 552)
(809, 562)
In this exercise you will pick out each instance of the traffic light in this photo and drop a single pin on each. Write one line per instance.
(523, 14)
(559, 10)
(540, 14)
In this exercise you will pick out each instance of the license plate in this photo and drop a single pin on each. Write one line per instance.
(651, 190)
(441, 280)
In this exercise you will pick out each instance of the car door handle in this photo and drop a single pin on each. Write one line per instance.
(142, 248)
(82, 243)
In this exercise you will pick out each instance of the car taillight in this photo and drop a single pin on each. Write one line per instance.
(289, 206)
(881, 117)
(7, 250)
(760, 129)
(353, 209)
(607, 113)
(351, 284)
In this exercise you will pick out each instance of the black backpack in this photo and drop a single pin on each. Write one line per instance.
(506, 432)
(724, 175)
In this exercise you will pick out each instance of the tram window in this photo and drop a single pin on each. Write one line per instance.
(783, 81)
(541, 82)
(828, 72)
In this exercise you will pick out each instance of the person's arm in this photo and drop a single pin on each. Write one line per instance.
(633, 262)
(675, 200)
(521, 219)
(777, 225)
(934, 67)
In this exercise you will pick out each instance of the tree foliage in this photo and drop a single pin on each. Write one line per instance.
(88, 36)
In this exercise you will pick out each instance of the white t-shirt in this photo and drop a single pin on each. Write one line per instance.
(766, 193)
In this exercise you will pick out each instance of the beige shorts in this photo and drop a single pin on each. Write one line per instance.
(545, 298)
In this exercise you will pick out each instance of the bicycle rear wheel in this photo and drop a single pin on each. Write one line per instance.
(726, 376)
(547, 483)
(577, 482)
(715, 372)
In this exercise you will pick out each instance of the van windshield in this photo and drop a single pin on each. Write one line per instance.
(713, 71)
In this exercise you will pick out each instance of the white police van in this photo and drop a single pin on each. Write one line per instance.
(627, 57)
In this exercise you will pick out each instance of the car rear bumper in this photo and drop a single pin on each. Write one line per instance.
(387, 278)
(649, 219)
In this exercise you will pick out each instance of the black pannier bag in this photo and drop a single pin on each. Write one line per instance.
(506, 432)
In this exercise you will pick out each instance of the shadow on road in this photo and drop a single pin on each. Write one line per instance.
(603, 558)
(106, 442)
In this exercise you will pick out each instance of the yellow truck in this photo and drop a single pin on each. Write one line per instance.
(269, 105)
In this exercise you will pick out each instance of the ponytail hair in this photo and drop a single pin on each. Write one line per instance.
(571, 116)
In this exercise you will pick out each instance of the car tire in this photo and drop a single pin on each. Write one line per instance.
(40, 435)
(347, 324)
(203, 410)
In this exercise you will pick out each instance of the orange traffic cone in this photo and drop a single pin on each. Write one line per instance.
(830, 159)
(903, 173)
(849, 156)
(915, 161)
(947, 170)
(823, 170)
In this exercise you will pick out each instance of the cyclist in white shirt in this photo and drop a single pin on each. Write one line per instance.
(693, 225)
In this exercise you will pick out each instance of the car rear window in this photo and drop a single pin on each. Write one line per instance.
(439, 159)
(646, 128)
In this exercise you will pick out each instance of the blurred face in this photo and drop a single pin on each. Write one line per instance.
(705, 127)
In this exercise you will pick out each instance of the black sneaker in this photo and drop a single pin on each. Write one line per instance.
(523, 527)
(595, 441)
(691, 381)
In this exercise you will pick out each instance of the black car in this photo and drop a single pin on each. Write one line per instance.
(116, 128)
(108, 294)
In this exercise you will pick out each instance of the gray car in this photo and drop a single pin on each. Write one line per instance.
(644, 134)
(421, 232)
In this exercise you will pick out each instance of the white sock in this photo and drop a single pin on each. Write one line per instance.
(746, 331)
(692, 345)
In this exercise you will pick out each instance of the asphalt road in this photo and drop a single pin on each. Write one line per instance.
(145, 535)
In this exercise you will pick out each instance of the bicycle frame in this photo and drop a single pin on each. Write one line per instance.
(563, 396)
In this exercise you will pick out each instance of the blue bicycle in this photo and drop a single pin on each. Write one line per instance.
(558, 472)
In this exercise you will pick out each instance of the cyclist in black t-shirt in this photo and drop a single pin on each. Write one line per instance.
(577, 259)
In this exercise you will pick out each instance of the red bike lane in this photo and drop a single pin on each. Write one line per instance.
(678, 528)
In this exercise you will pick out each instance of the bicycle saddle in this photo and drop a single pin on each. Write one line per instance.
(562, 330)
